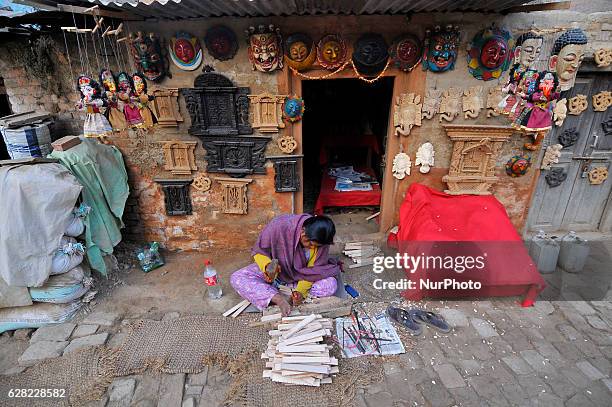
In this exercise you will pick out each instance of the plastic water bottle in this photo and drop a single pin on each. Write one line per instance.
(212, 281)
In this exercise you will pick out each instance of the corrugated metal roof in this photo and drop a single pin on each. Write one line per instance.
(180, 9)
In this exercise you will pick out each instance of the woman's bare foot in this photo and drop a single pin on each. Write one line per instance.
(282, 303)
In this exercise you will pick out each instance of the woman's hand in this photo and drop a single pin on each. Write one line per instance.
(282, 303)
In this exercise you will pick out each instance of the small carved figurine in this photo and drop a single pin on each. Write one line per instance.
(555, 177)
(494, 98)
(431, 103)
(425, 157)
(518, 165)
(450, 104)
(568, 137)
(598, 175)
(577, 104)
(560, 112)
(287, 144)
(603, 57)
(551, 156)
(202, 183)
(407, 113)
(472, 102)
(401, 165)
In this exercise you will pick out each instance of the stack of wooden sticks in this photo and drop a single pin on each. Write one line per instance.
(296, 352)
(361, 253)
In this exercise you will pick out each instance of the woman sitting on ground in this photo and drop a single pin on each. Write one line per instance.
(300, 243)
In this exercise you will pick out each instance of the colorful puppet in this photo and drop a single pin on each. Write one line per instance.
(125, 93)
(490, 53)
(114, 112)
(370, 54)
(536, 116)
(440, 48)
(567, 55)
(331, 52)
(526, 52)
(221, 42)
(300, 52)
(265, 48)
(96, 125)
(406, 52)
(518, 165)
(185, 51)
(142, 100)
(147, 54)
(293, 109)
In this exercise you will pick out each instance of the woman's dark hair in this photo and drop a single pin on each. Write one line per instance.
(320, 229)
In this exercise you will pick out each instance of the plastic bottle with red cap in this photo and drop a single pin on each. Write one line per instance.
(212, 281)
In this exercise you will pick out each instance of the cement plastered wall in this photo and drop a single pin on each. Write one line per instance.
(208, 226)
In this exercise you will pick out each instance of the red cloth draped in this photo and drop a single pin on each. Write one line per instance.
(328, 196)
(470, 225)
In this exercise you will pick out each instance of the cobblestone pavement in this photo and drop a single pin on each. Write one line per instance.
(498, 354)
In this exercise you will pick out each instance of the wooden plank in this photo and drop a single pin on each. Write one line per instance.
(327, 307)
(234, 308)
(304, 368)
(307, 360)
(373, 216)
(271, 317)
(276, 377)
(301, 338)
(309, 341)
(299, 326)
(65, 143)
(239, 310)
(298, 375)
(302, 348)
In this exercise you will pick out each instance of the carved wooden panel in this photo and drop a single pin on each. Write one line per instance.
(236, 156)
(217, 107)
(475, 152)
(286, 176)
(176, 196)
(179, 156)
(166, 108)
(267, 112)
(234, 194)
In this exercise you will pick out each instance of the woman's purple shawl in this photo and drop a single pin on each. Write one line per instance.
(280, 240)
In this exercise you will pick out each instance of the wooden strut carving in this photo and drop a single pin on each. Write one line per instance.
(234, 194)
(475, 152)
(267, 112)
(166, 108)
(494, 97)
(450, 104)
(176, 196)
(560, 112)
(286, 176)
(551, 156)
(602, 101)
(179, 156)
(472, 102)
(287, 144)
(577, 104)
(237, 156)
(407, 113)
(431, 104)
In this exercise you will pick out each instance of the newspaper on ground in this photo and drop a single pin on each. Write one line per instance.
(376, 337)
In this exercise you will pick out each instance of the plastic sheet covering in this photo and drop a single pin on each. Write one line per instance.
(37, 315)
(35, 208)
(65, 287)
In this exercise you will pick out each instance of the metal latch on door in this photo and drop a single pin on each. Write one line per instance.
(586, 166)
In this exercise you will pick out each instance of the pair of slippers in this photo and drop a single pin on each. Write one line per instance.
(413, 320)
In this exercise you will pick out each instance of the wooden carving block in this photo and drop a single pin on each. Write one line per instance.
(179, 156)
(267, 112)
(65, 143)
(166, 108)
(234, 194)
(475, 151)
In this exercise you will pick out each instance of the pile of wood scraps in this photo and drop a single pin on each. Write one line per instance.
(296, 352)
(361, 253)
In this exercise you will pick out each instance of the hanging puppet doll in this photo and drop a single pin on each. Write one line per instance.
(143, 99)
(96, 125)
(114, 113)
(126, 95)
(526, 52)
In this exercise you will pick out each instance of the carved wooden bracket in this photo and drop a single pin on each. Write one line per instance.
(236, 156)
(267, 112)
(234, 194)
(475, 152)
(286, 176)
(217, 107)
(166, 108)
(176, 196)
(179, 156)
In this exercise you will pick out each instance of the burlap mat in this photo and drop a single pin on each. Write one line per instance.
(84, 375)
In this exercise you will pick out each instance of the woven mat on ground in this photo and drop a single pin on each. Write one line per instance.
(84, 375)
(187, 344)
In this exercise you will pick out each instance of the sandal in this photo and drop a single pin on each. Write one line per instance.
(406, 319)
(432, 319)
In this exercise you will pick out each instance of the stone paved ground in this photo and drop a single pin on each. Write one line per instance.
(498, 354)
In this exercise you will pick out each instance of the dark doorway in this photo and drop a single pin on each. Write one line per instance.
(345, 124)
(5, 110)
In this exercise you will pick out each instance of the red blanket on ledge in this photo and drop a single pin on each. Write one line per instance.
(433, 223)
